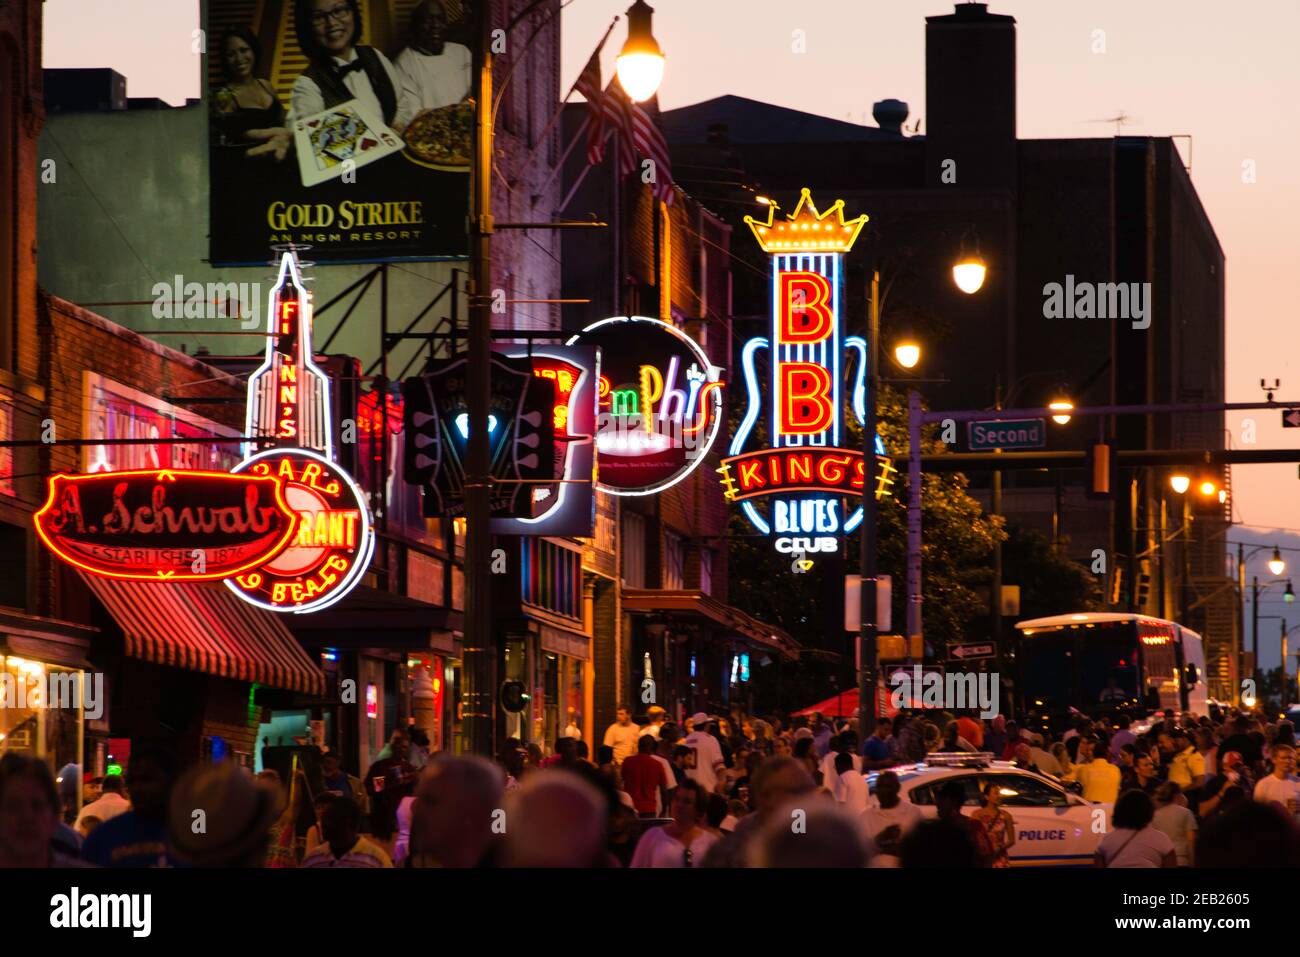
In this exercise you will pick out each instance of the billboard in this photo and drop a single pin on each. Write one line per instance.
(343, 125)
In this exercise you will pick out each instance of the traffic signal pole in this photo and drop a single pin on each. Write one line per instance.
(479, 656)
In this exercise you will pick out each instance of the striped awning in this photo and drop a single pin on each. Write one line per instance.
(202, 626)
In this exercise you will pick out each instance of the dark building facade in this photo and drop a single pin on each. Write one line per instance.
(1040, 212)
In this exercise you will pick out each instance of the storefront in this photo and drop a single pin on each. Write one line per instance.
(48, 692)
(691, 652)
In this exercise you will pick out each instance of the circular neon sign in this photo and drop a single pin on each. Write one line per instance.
(331, 546)
(660, 404)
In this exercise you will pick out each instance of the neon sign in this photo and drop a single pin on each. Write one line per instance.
(286, 529)
(804, 475)
(165, 525)
(660, 401)
(333, 542)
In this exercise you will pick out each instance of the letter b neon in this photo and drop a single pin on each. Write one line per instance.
(806, 407)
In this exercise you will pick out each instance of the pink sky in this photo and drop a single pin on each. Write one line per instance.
(1225, 74)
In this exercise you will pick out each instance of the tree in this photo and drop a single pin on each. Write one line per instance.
(956, 546)
(1050, 583)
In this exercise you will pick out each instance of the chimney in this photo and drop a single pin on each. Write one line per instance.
(970, 93)
(890, 115)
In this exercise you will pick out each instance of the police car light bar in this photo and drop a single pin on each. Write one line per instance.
(960, 759)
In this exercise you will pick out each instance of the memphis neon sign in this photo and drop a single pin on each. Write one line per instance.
(795, 487)
(660, 404)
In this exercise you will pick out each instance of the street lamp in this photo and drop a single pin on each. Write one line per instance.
(1061, 405)
(640, 64)
(1275, 564)
(907, 352)
(1180, 483)
(968, 273)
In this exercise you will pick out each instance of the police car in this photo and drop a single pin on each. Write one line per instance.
(1054, 827)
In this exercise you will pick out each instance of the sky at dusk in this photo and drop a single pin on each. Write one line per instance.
(1224, 74)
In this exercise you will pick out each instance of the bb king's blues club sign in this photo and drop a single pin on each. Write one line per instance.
(800, 486)
(287, 529)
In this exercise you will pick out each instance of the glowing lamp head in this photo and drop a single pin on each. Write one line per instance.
(640, 63)
(1180, 483)
(1207, 487)
(1062, 406)
(1289, 594)
(908, 353)
(1223, 496)
(1275, 564)
(968, 273)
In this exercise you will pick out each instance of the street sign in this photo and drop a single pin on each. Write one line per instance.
(986, 435)
(972, 651)
(1291, 418)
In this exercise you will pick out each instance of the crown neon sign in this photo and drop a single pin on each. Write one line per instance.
(804, 475)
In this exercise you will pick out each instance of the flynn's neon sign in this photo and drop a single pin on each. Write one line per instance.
(805, 474)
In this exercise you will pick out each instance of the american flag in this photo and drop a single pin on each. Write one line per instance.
(589, 86)
(638, 133)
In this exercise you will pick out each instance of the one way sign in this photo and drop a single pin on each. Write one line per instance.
(1291, 418)
(971, 651)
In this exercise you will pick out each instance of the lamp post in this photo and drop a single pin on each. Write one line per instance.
(867, 553)
(1276, 565)
(640, 67)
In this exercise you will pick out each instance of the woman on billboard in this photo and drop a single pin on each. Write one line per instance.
(245, 101)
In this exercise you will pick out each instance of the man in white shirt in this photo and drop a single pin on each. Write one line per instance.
(622, 735)
(109, 804)
(708, 754)
(848, 744)
(886, 822)
(341, 70)
(851, 790)
(656, 715)
(440, 72)
(1280, 787)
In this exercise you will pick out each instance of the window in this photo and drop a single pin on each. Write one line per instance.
(674, 560)
(1029, 792)
(633, 550)
(706, 570)
(551, 577)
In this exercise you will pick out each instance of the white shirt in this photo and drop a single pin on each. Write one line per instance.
(1146, 848)
(708, 758)
(657, 849)
(1273, 788)
(1176, 821)
(876, 818)
(652, 730)
(623, 739)
(831, 777)
(437, 80)
(661, 808)
(306, 99)
(106, 807)
(851, 791)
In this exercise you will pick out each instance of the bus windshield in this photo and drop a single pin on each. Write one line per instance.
(1081, 667)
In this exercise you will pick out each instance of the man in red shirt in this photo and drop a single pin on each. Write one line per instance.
(972, 729)
(644, 776)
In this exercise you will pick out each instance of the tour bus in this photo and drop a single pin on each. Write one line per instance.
(1104, 664)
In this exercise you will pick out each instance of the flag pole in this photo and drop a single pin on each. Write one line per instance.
(560, 112)
(564, 203)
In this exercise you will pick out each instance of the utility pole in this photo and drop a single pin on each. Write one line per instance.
(478, 708)
(867, 565)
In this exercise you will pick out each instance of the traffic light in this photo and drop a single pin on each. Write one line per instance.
(1143, 585)
(1099, 470)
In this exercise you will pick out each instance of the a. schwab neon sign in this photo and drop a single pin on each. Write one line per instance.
(804, 477)
(287, 529)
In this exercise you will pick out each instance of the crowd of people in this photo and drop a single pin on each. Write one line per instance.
(715, 791)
